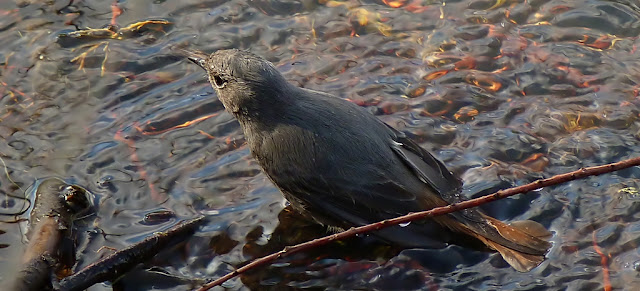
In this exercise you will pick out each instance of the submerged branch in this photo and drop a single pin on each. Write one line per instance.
(555, 180)
(122, 261)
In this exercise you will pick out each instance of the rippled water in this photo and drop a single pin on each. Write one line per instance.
(503, 92)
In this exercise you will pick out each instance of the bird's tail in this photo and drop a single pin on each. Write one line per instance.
(528, 242)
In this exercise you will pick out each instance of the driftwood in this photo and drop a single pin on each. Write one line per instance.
(555, 180)
(56, 206)
(115, 265)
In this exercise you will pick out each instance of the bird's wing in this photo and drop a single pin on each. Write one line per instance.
(433, 173)
(429, 169)
(370, 203)
(370, 200)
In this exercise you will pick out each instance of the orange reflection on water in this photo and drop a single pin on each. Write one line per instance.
(536, 162)
(604, 262)
(153, 131)
(24, 103)
(603, 42)
(155, 195)
(486, 81)
(465, 64)
(115, 12)
(465, 114)
(206, 134)
(435, 75)
(394, 3)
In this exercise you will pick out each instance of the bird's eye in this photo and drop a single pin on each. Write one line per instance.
(219, 82)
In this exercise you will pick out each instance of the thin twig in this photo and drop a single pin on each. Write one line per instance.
(555, 180)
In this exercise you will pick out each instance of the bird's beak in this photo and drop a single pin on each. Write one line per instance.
(198, 61)
(199, 58)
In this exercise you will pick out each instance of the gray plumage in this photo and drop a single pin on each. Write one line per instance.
(341, 166)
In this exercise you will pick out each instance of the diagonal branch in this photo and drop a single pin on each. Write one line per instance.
(122, 261)
(555, 180)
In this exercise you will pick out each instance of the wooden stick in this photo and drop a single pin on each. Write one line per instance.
(555, 180)
(120, 262)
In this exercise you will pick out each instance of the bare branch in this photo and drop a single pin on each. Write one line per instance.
(555, 180)
(124, 260)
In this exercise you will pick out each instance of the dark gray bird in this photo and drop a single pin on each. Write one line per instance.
(341, 166)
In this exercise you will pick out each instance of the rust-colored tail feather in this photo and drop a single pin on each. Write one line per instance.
(522, 244)
(526, 233)
(519, 261)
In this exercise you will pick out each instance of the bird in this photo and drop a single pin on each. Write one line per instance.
(339, 165)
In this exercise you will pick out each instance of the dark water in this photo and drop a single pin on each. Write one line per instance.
(503, 91)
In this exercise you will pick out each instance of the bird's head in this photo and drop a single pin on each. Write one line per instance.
(245, 83)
